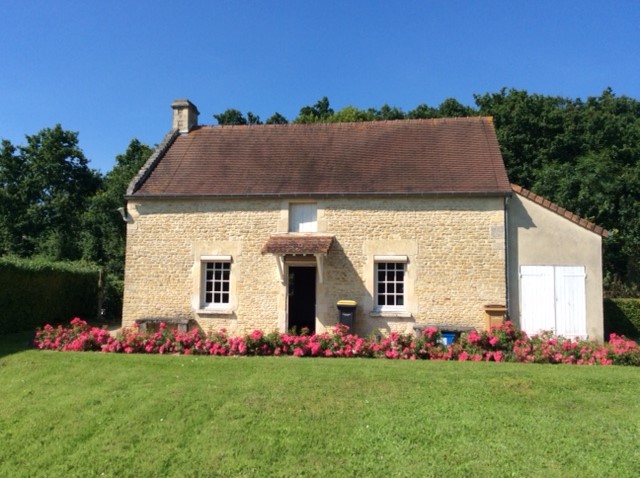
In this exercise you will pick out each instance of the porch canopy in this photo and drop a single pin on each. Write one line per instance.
(292, 244)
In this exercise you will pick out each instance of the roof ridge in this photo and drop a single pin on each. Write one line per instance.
(479, 118)
(559, 210)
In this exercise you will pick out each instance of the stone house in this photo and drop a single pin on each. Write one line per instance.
(269, 226)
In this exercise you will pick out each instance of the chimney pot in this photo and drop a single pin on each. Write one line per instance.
(185, 115)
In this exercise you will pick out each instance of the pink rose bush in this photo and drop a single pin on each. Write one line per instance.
(78, 337)
(500, 344)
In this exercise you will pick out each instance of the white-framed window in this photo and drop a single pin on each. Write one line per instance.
(216, 281)
(390, 282)
(303, 217)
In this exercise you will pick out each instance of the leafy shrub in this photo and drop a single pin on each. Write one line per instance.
(35, 292)
(622, 317)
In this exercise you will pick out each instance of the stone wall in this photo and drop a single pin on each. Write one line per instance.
(454, 248)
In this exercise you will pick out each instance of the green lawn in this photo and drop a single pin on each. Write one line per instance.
(92, 414)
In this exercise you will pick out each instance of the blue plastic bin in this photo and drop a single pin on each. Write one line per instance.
(448, 338)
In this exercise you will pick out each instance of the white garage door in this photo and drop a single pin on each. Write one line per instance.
(553, 298)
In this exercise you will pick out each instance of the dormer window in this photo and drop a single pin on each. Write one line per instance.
(303, 217)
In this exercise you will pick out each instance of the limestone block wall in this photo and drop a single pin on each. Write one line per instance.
(454, 249)
(164, 243)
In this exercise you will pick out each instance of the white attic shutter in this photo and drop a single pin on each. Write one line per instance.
(303, 217)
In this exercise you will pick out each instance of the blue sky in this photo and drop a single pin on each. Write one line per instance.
(110, 70)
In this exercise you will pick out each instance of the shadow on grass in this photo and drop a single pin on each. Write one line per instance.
(18, 342)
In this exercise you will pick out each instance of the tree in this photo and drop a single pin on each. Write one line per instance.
(13, 200)
(44, 189)
(452, 108)
(350, 114)
(104, 231)
(387, 113)
(319, 112)
(231, 117)
(103, 227)
(533, 130)
(235, 117)
(253, 119)
(277, 118)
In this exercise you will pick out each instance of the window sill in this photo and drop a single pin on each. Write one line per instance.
(400, 314)
(217, 311)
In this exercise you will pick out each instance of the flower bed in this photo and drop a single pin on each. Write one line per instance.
(501, 344)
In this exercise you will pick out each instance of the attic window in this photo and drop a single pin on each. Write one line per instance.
(303, 217)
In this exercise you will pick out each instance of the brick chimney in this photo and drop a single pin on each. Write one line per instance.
(185, 115)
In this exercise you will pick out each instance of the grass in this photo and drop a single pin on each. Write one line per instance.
(92, 414)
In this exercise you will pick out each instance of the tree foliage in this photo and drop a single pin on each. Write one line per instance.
(277, 118)
(104, 230)
(319, 112)
(231, 117)
(45, 187)
(103, 227)
(235, 117)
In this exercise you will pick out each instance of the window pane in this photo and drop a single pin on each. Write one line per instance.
(303, 217)
(216, 284)
(390, 284)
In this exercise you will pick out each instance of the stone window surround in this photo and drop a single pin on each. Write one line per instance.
(396, 260)
(391, 250)
(213, 265)
(203, 254)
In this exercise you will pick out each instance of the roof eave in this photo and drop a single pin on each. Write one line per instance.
(560, 211)
(434, 194)
(139, 179)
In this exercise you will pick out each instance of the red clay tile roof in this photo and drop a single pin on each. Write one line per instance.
(559, 210)
(439, 156)
(297, 244)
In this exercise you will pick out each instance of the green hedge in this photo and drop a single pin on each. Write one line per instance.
(35, 292)
(622, 316)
